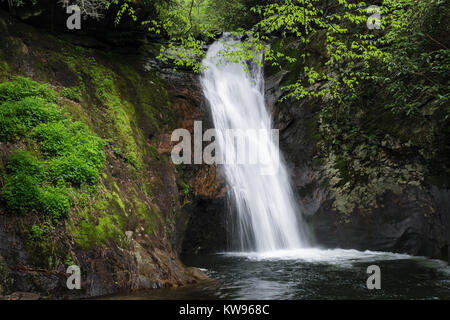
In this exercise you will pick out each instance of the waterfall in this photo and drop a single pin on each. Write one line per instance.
(267, 217)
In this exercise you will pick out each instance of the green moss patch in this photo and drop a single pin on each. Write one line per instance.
(60, 153)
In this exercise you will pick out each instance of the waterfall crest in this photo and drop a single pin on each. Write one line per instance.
(267, 217)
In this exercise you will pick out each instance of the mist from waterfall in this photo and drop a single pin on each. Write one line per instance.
(266, 215)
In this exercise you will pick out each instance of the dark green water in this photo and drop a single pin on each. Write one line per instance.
(311, 274)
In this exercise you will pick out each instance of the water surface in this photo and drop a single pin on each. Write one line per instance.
(311, 274)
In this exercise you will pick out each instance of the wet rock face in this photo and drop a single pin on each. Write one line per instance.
(207, 228)
(402, 225)
(297, 122)
(144, 263)
(16, 274)
(5, 277)
(202, 229)
(415, 221)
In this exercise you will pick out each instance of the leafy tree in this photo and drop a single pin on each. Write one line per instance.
(393, 132)
(348, 42)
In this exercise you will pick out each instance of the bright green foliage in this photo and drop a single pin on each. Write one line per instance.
(117, 122)
(124, 8)
(419, 54)
(24, 162)
(73, 94)
(188, 35)
(18, 117)
(185, 187)
(23, 87)
(394, 134)
(38, 233)
(69, 260)
(196, 17)
(54, 202)
(348, 46)
(347, 41)
(62, 153)
(71, 140)
(24, 190)
(74, 170)
(185, 53)
(21, 193)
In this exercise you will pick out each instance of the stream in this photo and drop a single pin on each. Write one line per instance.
(309, 274)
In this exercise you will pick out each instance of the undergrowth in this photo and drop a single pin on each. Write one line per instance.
(51, 154)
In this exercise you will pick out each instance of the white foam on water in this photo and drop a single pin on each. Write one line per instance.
(320, 255)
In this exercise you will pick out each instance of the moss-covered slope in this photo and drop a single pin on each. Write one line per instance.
(80, 151)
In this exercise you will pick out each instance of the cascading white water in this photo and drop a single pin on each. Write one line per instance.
(268, 218)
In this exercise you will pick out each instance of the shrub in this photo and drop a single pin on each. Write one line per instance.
(18, 117)
(73, 94)
(65, 138)
(54, 202)
(37, 233)
(23, 162)
(23, 87)
(68, 154)
(73, 170)
(20, 193)
(54, 138)
(75, 154)
(24, 192)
